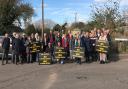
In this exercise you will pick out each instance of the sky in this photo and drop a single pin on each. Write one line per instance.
(61, 11)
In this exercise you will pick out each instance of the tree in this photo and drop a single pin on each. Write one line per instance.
(47, 30)
(79, 25)
(57, 27)
(60, 28)
(107, 15)
(30, 29)
(12, 12)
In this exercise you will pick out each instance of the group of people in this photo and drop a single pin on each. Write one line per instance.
(87, 40)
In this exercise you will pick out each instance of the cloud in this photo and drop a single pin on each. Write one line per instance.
(122, 2)
(69, 14)
(100, 0)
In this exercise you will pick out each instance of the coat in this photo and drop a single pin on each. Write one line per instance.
(87, 44)
(6, 43)
(65, 42)
(51, 38)
(18, 46)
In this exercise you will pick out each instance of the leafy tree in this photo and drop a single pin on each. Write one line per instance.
(12, 12)
(107, 15)
(30, 29)
(57, 27)
(79, 25)
(47, 30)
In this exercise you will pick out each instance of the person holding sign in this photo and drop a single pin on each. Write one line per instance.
(60, 53)
(102, 48)
(47, 56)
(50, 50)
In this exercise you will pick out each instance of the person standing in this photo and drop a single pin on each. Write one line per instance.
(33, 40)
(50, 50)
(24, 54)
(58, 39)
(93, 39)
(98, 33)
(28, 51)
(17, 49)
(13, 38)
(87, 47)
(45, 42)
(51, 38)
(5, 47)
(71, 45)
(65, 45)
(38, 44)
(103, 57)
(109, 43)
(77, 45)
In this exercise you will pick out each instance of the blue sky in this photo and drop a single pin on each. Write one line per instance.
(61, 11)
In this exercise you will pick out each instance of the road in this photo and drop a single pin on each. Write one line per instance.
(68, 76)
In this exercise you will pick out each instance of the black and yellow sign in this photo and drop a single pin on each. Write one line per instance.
(78, 52)
(102, 46)
(35, 47)
(45, 59)
(59, 53)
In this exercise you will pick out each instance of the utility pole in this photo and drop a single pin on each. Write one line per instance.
(75, 17)
(42, 19)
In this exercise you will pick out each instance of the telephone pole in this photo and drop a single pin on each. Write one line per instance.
(43, 19)
(75, 17)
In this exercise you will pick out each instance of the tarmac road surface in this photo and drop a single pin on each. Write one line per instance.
(68, 76)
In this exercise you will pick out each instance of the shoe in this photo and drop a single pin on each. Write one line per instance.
(101, 62)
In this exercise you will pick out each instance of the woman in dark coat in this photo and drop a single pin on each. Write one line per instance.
(87, 46)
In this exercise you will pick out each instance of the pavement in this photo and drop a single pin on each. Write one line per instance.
(113, 75)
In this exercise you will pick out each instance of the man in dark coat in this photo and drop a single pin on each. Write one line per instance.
(18, 46)
(5, 46)
(24, 54)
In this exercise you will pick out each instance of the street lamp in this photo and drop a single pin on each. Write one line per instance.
(42, 19)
